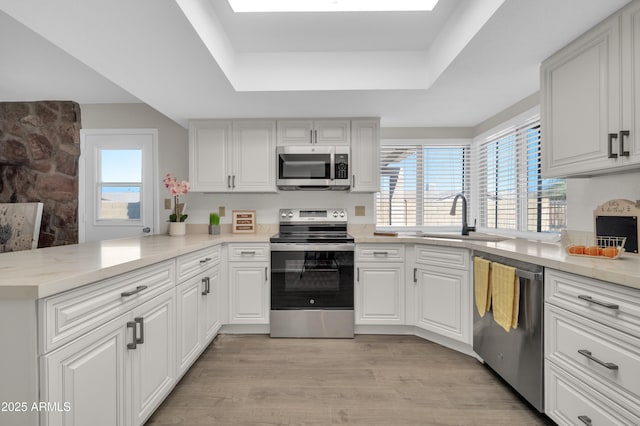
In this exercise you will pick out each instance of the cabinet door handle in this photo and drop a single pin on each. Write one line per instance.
(358, 274)
(607, 365)
(621, 136)
(132, 292)
(140, 320)
(315, 133)
(415, 278)
(205, 260)
(597, 302)
(132, 345)
(353, 181)
(229, 181)
(205, 291)
(233, 182)
(585, 419)
(610, 139)
(266, 273)
(311, 136)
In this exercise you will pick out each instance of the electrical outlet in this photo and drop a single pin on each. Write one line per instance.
(167, 203)
(222, 210)
(360, 211)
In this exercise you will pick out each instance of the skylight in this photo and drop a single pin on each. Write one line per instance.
(331, 5)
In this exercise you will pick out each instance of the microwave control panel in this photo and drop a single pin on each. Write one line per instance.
(342, 166)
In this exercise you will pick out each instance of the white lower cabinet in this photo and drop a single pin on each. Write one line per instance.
(248, 279)
(379, 289)
(592, 351)
(443, 293)
(190, 342)
(116, 374)
(248, 292)
(198, 313)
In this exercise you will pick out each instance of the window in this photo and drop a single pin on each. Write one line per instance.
(418, 183)
(120, 183)
(512, 193)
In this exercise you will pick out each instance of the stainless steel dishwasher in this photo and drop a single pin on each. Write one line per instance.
(517, 356)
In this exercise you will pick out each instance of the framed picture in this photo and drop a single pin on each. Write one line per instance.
(244, 221)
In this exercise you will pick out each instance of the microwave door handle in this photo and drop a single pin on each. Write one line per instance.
(332, 166)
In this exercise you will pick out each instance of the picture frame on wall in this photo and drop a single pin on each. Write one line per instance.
(243, 222)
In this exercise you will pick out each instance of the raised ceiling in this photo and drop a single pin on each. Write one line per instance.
(455, 66)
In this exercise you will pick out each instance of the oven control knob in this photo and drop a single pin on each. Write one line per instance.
(312, 302)
(290, 214)
(335, 214)
(341, 214)
(284, 214)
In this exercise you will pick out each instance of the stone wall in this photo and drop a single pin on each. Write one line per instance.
(39, 151)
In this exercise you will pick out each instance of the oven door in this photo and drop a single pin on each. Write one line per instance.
(312, 276)
(305, 166)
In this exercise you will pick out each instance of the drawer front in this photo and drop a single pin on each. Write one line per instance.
(608, 358)
(68, 315)
(192, 264)
(380, 252)
(610, 304)
(249, 252)
(570, 402)
(442, 256)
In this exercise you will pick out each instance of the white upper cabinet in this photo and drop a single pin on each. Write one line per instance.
(209, 155)
(254, 156)
(232, 156)
(589, 97)
(365, 155)
(314, 132)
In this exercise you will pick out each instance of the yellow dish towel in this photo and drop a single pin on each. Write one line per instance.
(506, 295)
(482, 284)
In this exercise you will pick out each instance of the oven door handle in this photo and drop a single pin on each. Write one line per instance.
(312, 247)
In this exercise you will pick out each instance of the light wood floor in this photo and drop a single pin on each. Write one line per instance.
(370, 380)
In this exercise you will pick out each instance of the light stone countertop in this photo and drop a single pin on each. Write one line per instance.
(40, 273)
(624, 270)
(35, 274)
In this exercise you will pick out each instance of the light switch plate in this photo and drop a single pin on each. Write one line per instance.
(167, 203)
(360, 211)
(222, 211)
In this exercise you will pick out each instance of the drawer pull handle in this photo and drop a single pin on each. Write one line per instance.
(610, 138)
(415, 278)
(205, 260)
(597, 302)
(207, 289)
(609, 365)
(132, 292)
(140, 320)
(381, 253)
(248, 253)
(586, 420)
(133, 344)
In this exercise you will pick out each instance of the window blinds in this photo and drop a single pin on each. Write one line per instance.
(418, 183)
(512, 193)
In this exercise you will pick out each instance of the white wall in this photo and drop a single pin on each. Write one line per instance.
(584, 195)
(267, 205)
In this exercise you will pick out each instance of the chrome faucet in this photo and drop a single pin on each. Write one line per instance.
(465, 227)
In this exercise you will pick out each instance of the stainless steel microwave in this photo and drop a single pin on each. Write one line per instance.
(313, 167)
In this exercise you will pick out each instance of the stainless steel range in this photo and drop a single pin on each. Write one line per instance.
(312, 275)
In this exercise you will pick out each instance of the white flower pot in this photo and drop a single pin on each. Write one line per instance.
(177, 228)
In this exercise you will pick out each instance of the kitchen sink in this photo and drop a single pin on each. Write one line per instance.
(473, 236)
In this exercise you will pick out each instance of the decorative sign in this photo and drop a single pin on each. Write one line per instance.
(244, 221)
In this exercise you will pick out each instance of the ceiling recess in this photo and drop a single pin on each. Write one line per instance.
(332, 5)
